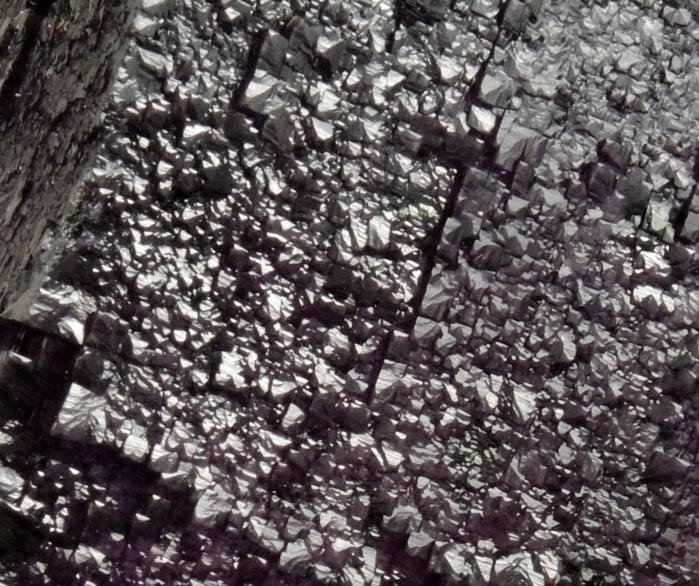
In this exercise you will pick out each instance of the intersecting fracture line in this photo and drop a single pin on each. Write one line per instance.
(433, 238)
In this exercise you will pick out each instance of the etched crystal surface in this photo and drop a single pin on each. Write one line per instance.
(370, 293)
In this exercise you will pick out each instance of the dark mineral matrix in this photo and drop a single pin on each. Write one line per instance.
(349, 293)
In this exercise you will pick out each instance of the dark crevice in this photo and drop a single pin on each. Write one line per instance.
(408, 13)
(397, 19)
(682, 214)
(430, 246)
(429, 259)
(35, 371)
(500, 18)
(20, 539)
(253, 59)
(687, 204)
(475, 87)
(377, 364)
(10, 90)
(41, 7)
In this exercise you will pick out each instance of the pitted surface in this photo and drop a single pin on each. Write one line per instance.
(57, 59)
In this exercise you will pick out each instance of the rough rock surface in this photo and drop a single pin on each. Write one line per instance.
(375, 293)
(57, 60)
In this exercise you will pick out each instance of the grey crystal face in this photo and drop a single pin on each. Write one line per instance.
(371, 293)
